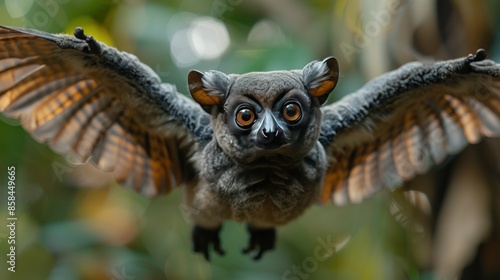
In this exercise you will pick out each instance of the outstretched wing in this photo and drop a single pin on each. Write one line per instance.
(406, 121)
(93, 102)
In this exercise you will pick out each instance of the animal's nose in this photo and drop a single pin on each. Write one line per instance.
(268, 134)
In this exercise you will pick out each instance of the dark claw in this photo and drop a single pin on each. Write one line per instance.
(93, 45)
(479, 56)
(203, 237)
(264, 239)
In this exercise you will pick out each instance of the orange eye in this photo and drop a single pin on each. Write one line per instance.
(245, 117)
(292, 112)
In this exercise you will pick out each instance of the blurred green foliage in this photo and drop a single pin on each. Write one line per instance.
(64, 232)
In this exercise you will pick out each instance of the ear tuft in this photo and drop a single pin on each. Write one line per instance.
(320, 77)
(209, 88)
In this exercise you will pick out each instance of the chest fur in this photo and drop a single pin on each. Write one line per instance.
(271, 190)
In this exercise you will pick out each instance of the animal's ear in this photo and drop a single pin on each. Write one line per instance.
(320, 77)
(209, 88)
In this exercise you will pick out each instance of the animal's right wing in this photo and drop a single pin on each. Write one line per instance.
(407, 121)
(94, 102)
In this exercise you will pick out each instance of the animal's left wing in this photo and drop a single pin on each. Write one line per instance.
(96, 103)
(406, 121)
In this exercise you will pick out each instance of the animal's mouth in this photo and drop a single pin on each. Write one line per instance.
(269, 146)
(273, 144)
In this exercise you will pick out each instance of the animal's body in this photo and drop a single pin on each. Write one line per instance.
(258, 147)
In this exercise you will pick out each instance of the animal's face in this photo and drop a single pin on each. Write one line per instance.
(265, 114)
(268, 111)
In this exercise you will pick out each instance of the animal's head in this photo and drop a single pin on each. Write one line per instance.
(266, 113)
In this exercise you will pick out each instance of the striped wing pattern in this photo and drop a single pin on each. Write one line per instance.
(82, 113)
(388, 140)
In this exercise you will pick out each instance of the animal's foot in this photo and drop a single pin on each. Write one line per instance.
(92, 45)
(203, 238)
(261, 240)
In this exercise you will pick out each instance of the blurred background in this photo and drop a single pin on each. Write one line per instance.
(75, 223)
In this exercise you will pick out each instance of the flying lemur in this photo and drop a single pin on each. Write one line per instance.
(258, 147)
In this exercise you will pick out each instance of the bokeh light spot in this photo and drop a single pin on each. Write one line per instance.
(17, 8)
(204, 38)
(208, 37)
(181, 51)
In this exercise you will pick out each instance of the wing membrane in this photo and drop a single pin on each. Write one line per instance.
(100, 105)
(407, 121)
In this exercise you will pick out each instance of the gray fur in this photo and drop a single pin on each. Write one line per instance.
(234, 179)
(216, 83)
(377, 97)
(314, 73)
(241, 181)
(270, 170)
(147, 91)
